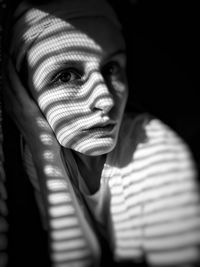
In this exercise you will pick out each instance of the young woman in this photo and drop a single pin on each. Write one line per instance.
(112, 188)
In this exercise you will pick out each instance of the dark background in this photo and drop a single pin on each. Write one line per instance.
(162, 44)
(162, 40)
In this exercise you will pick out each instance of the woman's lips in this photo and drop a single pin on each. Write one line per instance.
(107, 127)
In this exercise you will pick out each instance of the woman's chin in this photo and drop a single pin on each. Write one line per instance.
(92, 148)
(97, 152)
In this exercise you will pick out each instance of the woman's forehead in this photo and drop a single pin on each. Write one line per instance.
(62, 34)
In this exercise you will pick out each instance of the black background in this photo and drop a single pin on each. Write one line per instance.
(162, 40)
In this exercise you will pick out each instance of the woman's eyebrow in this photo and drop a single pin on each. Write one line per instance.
(57, 66)
(117, 53)
(60, 65)
(75, 62)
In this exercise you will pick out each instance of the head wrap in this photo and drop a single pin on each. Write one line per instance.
(50, 175)
(31, 20)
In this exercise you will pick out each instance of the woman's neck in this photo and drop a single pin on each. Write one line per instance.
(90, 168)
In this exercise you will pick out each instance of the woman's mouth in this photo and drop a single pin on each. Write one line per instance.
(102, 128)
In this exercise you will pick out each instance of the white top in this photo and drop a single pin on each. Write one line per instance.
(148, 200)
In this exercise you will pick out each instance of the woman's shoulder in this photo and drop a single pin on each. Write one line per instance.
(144, 137)
(148, 130)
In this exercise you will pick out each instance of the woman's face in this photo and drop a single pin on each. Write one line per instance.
(77, 76)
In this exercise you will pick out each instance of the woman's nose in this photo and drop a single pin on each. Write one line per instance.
(104, 101)
(101, 98)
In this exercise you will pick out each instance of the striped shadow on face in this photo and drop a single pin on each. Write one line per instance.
(79, 82)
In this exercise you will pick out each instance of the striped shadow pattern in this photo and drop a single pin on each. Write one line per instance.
(76, 75)
(152, 183)
(155, 203)
(71, 240)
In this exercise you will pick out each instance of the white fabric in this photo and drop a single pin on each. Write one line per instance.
(154, 209)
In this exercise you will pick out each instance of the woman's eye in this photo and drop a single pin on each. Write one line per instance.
(66, 76)
(112, 68)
